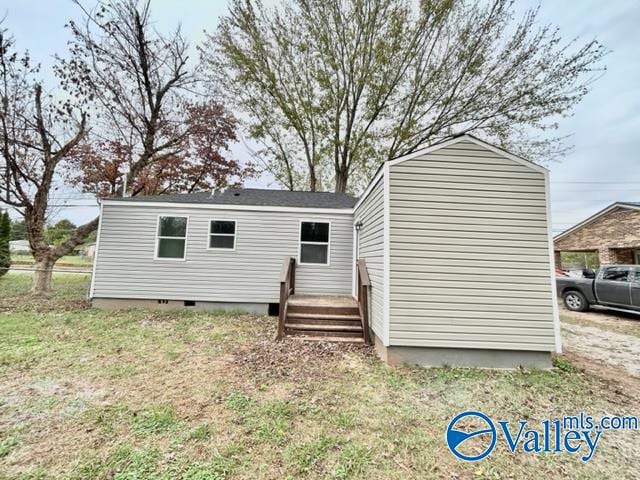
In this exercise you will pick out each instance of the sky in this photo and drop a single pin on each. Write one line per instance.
(604, 129)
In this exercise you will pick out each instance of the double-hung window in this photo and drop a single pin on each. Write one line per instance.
(222, 234)
(314, 243)
(171, 241)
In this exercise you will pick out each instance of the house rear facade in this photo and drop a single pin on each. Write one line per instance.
(455, 240)
(222, 251)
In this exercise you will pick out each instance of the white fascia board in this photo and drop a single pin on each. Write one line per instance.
(247, 208)
(385, 167)
(510, 156)
(401, 159)
(424, 151)
(488, 146)
(386, 201)
(369, 188)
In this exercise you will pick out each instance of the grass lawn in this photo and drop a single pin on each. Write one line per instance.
(139, 394)
(66, 261)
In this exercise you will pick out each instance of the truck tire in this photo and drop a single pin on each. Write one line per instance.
(575, 301)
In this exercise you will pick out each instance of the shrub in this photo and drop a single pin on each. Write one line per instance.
(5, 235)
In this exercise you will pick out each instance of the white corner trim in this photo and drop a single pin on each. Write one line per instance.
(95, 256)
(247, 208)
(552, 269)
(386, 257)
(355, 239)
(594, 217)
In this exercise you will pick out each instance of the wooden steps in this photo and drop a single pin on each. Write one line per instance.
(325, 327)
(324, 318)
(331, 339)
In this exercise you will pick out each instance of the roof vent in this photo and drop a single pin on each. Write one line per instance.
(213, 191)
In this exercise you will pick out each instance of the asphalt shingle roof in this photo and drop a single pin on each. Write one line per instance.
(254, 196)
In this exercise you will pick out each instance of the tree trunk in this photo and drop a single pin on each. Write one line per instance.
(313, 181)
(46, 257)
(342, 177)
(42, 276)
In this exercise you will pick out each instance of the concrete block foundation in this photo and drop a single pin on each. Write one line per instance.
(120, 303)
(462, 357)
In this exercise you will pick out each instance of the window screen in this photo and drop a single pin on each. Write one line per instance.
(172, 237)
(314, 243)
(222, 234)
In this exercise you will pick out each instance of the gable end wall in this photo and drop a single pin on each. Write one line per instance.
(469, 252)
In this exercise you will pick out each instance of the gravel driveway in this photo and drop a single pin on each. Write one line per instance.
(603, 336)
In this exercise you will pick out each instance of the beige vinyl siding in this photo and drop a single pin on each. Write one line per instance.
(371, 247)
(469, 252)
(126, 267)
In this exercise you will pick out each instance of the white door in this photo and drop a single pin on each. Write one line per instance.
(637, 257)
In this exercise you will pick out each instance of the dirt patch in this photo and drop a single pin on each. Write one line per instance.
(607, 346)
(627, 323)
(293, 358)
(46, 398)
(621, 388)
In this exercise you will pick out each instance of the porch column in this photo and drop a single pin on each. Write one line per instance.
(606, 255)
(557, 259)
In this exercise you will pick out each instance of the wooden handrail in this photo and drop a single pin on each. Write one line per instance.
(363, 284)
(287, 287)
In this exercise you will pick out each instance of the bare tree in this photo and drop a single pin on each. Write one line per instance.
(133, 76)
(37, 135)
(137, 87)
(142, 92)
(331, 89)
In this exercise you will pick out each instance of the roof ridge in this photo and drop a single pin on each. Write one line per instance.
(252, 196)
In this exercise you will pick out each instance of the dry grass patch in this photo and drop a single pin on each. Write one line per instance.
(194, 395)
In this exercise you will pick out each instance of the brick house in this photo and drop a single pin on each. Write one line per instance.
(614, 233)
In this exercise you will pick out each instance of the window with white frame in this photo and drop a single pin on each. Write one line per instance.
(171, 242)
(314, 243)
(222, 234)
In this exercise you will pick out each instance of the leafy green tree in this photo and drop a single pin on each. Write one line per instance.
(575, 260)
(330, 89)
(60, 232)
(5, 234)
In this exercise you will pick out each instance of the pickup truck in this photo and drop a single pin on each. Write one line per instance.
(616, 287)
